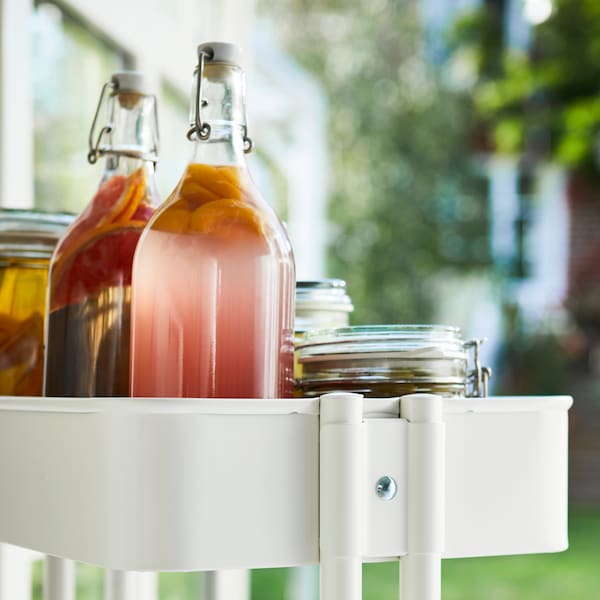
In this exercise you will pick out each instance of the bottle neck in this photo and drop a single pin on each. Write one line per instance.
(116, 164)
(225, 146)
(221, 108)
(131, 140)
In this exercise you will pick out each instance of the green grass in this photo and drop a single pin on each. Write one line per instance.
(571, 575)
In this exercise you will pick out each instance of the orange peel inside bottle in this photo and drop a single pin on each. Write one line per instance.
(213, 201)
(224, 216)
(111, 214)
(129, 200)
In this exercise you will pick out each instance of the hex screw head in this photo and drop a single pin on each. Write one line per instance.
(386, 487)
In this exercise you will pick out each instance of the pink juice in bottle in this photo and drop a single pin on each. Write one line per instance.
(213, 293)
(213, 285)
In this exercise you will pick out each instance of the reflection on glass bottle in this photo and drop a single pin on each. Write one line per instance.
(90, 273)
(213, 283)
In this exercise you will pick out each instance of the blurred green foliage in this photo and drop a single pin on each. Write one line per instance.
(545, 101)
(407, 202)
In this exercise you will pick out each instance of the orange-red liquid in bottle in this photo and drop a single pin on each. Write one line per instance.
(87, 338)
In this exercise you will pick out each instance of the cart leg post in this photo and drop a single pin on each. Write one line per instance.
(59, 579)
(421, 568)
(147, 586)
(303, 583)
(119, 585)
(341, 496)
(15, 573)
(130, 585)
(230, 584)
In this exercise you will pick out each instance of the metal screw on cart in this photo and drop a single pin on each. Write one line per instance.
(386, 487)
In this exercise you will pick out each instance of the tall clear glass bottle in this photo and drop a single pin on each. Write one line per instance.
(213, 276)
(89, 300)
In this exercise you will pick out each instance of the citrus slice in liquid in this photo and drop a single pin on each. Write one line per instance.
(129, 199)
(103, 259)
(174, 218)
(21, 356)
(117, 200)
(107, 195)
(226, 216)
(8, 325)
(219, 182)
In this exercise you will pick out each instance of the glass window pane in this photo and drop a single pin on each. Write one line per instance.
(70, 65)
(175, 149)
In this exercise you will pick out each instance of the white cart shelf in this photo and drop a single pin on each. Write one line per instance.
(192, 485)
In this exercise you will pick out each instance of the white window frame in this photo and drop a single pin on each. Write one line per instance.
(166, 54)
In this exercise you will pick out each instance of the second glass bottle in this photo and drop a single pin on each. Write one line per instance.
(213, 280)
(88, 327)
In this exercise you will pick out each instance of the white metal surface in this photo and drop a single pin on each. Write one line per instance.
(506, 473)
(124, 585)
(154, 485)
(233, 584)
(421, 567)
(341, 496)
(163, 485)
(120, 585)
(15, 573)
(16, 104)
(59, 579)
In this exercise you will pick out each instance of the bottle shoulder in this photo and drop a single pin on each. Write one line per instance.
(221, 204)
(97, 249)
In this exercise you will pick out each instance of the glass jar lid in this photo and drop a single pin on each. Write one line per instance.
(30, 233)
(415, 341)
(323, 294)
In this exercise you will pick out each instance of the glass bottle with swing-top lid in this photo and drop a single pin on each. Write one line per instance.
(90, 271)
(213, 291)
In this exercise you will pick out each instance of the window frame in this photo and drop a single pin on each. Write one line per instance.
(164, 53)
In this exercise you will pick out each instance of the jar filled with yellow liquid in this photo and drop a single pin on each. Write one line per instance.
(27, 239)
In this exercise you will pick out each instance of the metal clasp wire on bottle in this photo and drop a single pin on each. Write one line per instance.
(479, 376)
(96, 150)
(94, 147)
(202, 129)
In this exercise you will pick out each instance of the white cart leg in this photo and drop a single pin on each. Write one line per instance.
(303, 584)
(128, 585)
(59, 579)
(15, 573)
(232, 584)
(421, 568)
(147, 586)
(120, 585)
(341, 496)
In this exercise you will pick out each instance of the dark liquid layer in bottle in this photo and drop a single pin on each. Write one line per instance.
(88, 346)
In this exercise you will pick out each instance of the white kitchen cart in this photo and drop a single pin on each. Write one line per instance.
(192, 485)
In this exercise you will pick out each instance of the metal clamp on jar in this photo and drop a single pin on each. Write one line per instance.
(390, 360)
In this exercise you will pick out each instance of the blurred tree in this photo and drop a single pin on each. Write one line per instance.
(407, 202)
(544, 102)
